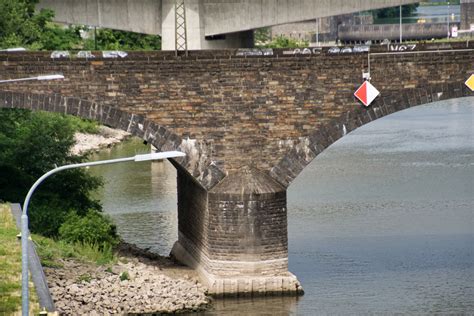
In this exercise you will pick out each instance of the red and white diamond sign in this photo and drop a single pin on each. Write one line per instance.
(366, 93)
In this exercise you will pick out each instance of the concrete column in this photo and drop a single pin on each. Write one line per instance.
(235, 235)
(467, 14)
(196, 29)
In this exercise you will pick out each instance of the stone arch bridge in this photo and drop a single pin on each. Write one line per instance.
(249, 122)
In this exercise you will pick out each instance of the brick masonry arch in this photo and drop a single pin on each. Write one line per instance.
(307, 148)
(135, 124)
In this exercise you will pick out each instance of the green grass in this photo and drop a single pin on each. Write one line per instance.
(52, 251)
(10, 267)
(431, 4)
(82, 125)
(440, 41)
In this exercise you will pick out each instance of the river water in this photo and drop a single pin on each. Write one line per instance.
(380, 222)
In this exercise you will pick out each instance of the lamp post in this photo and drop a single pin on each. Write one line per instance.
(447, 20)
(24, 216)
(15, 49)
(42, 77)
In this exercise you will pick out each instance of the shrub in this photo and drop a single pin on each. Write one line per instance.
(124, 276)
(32, 143)
(94, 229)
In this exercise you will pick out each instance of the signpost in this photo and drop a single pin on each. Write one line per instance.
(454, 31)
(366, 93)
(470, 82)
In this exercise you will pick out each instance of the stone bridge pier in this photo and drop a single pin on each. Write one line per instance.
(235, 234)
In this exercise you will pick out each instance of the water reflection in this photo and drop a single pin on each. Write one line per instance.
(140, 197)
(271, 306)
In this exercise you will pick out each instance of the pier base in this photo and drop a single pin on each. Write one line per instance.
(243, 285)
(235, 235)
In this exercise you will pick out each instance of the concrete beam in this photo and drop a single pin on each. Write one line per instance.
(240, 15)
(205, 18)
(141, 16)
(467, 14)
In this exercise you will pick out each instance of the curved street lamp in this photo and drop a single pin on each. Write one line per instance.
(42, 77)
(24, 216)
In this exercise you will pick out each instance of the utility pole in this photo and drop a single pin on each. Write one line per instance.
(181, 42)
(401, 35)
(317, 32)
(447, 19)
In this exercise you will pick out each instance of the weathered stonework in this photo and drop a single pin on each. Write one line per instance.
(248, 124)
(235, 234)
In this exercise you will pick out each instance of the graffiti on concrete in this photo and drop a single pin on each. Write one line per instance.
(254, 52)
(348, 50)
(113, 54)
(85, 54)
(304, 51)
(60, 54)
(402, 48)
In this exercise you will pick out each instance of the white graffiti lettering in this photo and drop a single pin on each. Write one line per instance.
(88, 54)
(402, 48)
(85, 54)
(254, 52)
(113, 54)
(303, 51)
(60, 54)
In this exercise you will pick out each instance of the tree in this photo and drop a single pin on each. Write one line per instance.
(32, 143)
(262, 36)
(263, 39)
(108, 39)
(394, 12)
(21, 25)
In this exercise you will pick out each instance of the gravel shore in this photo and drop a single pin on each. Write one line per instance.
(139, 283)
(133, 285)
(106, 137)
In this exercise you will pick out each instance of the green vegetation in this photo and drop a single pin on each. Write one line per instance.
(32, 143)
(10, 267)
(82, 125)
(124, 276)
(86, 277)
(92, 229)
(263, 39)
(261, 36)
(21, 25)
(107, 39)
(436, 3)
(440, 40)
(52, 251)
(394, 12)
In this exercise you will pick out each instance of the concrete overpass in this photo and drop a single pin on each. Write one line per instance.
(211, 24)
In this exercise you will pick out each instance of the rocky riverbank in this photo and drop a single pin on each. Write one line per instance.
(106, 137)
(134, 285)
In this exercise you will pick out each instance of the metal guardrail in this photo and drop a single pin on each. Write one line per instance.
(36, 270)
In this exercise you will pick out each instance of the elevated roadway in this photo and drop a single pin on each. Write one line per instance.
(211, 24)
